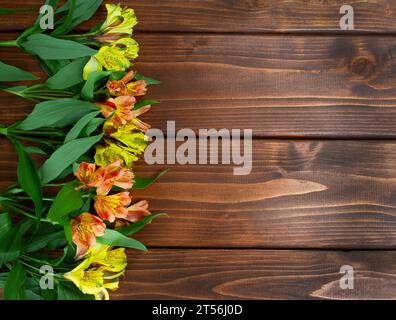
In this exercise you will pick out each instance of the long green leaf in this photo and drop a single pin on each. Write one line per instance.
(84, 10)
(80, 125)
(137, 226)
(12, 242)
(50, 48)
(117, 239)
(67, 200)
(5, 224)
(29, 179)
(11, 73)
(68, 76)
(142, 183)
(65, 156)
(14, 286)
(143, 103)
(57, 114)
(42, 241)
(68, 20)
(148, 80)
(89, 88)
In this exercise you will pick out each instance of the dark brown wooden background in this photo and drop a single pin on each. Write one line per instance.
(322, 104)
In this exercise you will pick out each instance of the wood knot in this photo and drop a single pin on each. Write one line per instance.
(362, 67)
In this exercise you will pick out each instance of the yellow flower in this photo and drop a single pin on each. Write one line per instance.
(109, 152)
(100, 271)
(119, 20)
(129, 47)
(113, 58)
(131, 136)
(125, 144)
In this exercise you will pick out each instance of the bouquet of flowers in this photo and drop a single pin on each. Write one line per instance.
(65, 224)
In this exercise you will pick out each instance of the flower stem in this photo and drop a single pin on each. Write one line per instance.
(9, 43)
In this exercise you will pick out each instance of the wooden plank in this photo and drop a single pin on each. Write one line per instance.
(300, 194)
(255, 274)
(238, 15)
(289, 86)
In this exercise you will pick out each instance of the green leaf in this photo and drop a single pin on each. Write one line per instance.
(80, 125)
(84, 10)
(141, 183)
(11, 73)
(68, 76)
(11, 243)
(65, 156)
(67, 24)
(14, 286)
(35, 150)
(57, 114)
(3, 279)
(91, 127)
(117, 239)
(5, 224)
(144, 103)
(50, 48)
(148, 80)
(89, 88)
(29, 179)
(7, 11)
(67, 200)
(68, 291)
(51, 67)
(42, 241)
(137, 226)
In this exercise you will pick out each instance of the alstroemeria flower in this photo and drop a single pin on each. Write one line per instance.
(113, 58)
(109, 152)
(124, 144)
(99, 272)
(125, 87)
(112, 206)
(119, 20)
(138, 211)
(128, 46)
(115, 175)
(119, 109)
(85, 228)
(89, 176)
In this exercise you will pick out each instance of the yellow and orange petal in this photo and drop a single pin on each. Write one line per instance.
(85, 228)
(138, 211)
(112, 206)
(115, 175)
(119, 109)
(88, 175)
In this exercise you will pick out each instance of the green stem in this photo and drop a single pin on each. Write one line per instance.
(9, 43)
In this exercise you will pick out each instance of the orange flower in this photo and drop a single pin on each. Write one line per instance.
(138, 211)
(111, 207)
(85, 228)
(115, 175)
(127, 87)
(120, 110)
(88, 175)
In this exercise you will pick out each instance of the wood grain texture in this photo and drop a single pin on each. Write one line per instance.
(238, 15)
(300, 194)
(289, 86)
(256, 274)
